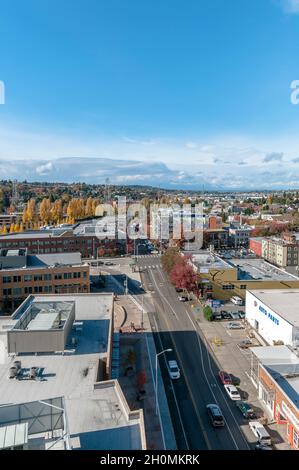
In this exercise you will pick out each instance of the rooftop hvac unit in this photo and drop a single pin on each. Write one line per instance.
(33, 373)
(13, 372)
(17, 364)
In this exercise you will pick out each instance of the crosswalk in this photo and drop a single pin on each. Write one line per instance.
(152, 266)
(147, 256)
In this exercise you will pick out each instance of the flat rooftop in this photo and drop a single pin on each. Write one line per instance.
(76, 368)
(51, 233)
(284, 302)
(258, 269)
(205, 261)
(15, 259)
(283, 365)
(97, 413)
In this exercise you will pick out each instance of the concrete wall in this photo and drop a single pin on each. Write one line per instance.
(24, 341)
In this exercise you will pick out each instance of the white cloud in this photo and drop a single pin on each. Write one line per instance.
(191, 145)
(45, 169)
(290, 6)
(222, 161)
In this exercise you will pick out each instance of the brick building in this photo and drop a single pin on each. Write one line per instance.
(22, 274)
(275, 373)
(82, 238)
(255, 245)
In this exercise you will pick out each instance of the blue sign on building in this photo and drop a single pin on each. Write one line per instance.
(269, 315)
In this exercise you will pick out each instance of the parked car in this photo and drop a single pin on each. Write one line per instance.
(215, 415)
(235, 315)
(246, 410)
(235, 326)
(109, 263)
(182, 298)
(179, 290)
(262, 447)
(173, 369)
(241, 314)
(236, 300)
(261, 433)
(232, 392)
(217, 316)
(226, 315)
(245, 343)
(225, 378)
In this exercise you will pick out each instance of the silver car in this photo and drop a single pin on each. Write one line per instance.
(235, 326)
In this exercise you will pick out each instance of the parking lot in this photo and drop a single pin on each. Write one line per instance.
(225, 343)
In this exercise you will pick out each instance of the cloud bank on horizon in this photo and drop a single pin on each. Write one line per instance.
(228, 175)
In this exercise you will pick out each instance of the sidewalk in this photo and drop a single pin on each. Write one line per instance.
(127, 313)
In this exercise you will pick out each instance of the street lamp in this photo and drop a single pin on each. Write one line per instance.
(158, 354)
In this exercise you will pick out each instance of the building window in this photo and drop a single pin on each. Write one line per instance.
(28, 290)
(38, 277)
(6, 292)
(47, 277)
(48, 289)
(58, 276)
(17, 279)
(17, 291)
(6, 279)
(38, 289)
(243, 286)
(27, 278)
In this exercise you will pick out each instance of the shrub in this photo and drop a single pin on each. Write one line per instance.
(208, 313)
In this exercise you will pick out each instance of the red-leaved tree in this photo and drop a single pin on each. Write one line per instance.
(182, 276)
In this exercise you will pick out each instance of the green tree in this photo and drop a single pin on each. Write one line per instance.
(208, 313)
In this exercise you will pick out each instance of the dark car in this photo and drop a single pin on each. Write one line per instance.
(246, 410)
(215, 415)
(225, 315)
(217, 316)
(262, 447)
(246, 343)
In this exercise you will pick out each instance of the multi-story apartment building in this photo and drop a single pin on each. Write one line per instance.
(281, 252)
(239, 236)
(22, 274)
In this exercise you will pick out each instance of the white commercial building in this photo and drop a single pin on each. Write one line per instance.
(274, 314)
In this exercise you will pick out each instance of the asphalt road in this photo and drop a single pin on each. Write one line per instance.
(176, 328)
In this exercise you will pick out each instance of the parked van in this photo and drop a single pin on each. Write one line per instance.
(261, 433)
(236, 300)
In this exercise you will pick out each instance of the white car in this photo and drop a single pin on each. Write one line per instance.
(235, 326)
(232, 392)
(173, 369)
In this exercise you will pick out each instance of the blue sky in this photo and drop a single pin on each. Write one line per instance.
(202, 86)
